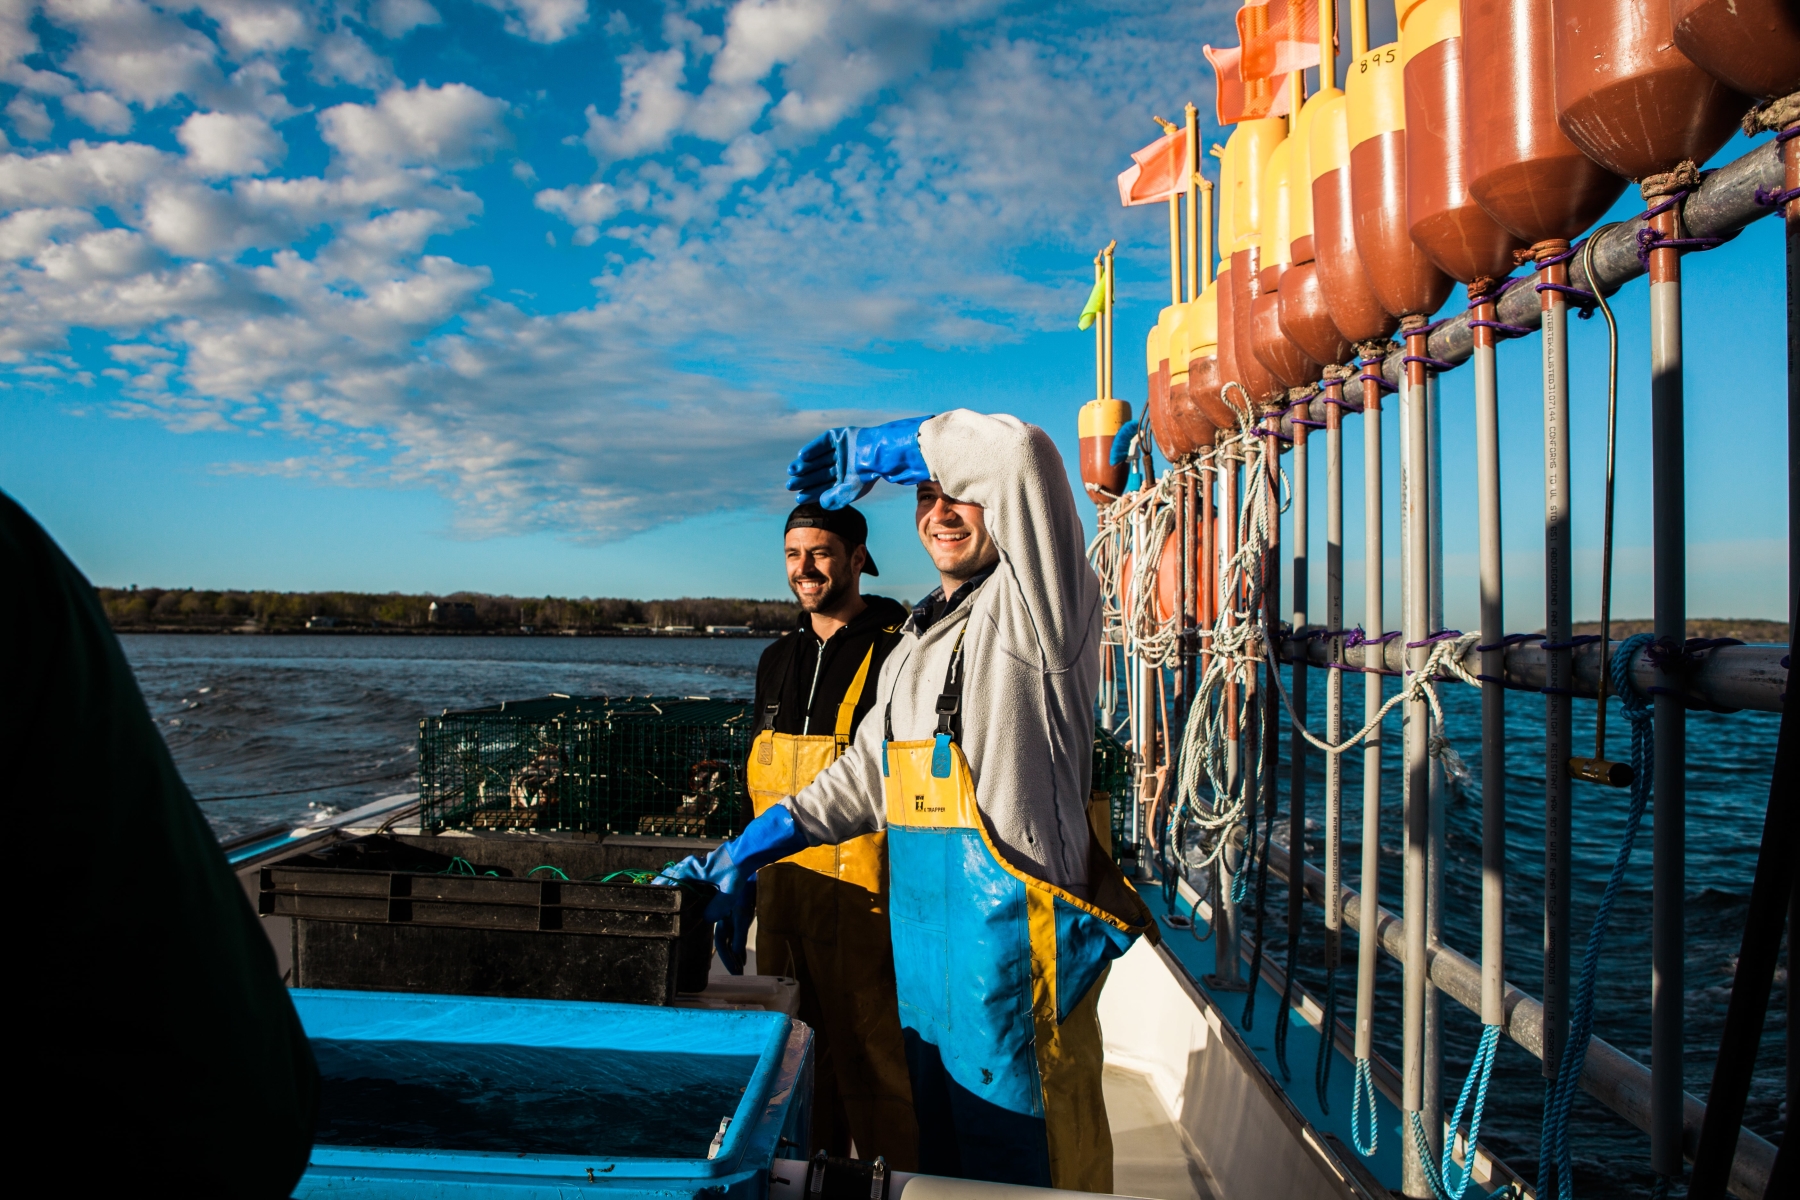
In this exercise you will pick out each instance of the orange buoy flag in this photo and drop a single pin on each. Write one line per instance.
(1157, 172)
(1277, 37)
(1237, 100)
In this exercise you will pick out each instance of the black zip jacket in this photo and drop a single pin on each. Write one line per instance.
(808, 679)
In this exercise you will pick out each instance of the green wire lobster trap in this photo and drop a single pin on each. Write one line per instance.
(672, 766)
(1112, 777)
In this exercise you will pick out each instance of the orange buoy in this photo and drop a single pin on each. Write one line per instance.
(1219, 410)
(1750, 45)
(1343, 279)
(1156, 409)
(1291, 365)
(1196, 429)
(1628, 96)
(1097, 425)
(1305, 315)
(1522, 167)
(1247, 154)
(1156, 365)
(1168, 582)
(1442, 217)
(1405, 279)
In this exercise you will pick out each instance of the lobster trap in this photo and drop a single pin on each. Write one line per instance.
(670, 766)
(1112, 779)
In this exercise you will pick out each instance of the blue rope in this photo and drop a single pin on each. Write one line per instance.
(1363, 1089)
(1556, 1165)
(1441, 1177)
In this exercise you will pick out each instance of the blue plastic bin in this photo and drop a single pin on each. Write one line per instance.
(560, 1097)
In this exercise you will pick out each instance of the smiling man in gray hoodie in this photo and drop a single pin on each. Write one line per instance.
(977, 760)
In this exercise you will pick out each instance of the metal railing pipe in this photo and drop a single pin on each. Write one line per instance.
(1721, 678)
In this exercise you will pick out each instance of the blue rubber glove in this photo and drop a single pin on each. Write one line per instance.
(731, 935)
(1121, 447)
(732, 867)
(840, 465)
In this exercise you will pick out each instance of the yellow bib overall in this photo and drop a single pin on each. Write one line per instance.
(821, 917)
(999, 979)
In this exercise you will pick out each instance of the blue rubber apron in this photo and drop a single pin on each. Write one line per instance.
(998, 978)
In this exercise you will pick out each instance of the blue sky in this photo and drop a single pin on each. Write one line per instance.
(539, 296)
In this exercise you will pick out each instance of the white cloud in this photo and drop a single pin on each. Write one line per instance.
(343, 57)
(837, 191)
(230, 144)
(542, 20)
(83, 175)
(16, 42)
(135, 51)
(583, 207)
(396, 18)
(652, 106)
(450, 126)
(30, 119)
(99, 110)
(250, 26)
(103, 255)
(26, 233)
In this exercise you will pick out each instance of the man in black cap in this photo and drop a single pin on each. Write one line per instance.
(822, 914)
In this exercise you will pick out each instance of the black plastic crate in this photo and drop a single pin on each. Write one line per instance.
(501, 915)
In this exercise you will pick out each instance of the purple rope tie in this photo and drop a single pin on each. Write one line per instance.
(1792, 131)
(1435, 364)
(1668, 202)
(1346, 405)
(1586, 639)
(1776, 197)
(1442, 635)
(1649, 239)
(1309, 424)
(1259, 431)
(1566, 256)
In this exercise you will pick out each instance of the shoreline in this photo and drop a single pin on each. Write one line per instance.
(401, 631)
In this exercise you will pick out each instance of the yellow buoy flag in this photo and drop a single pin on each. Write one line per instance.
(1096, 302)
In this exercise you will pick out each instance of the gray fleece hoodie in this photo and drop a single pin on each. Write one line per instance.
(1031, 657)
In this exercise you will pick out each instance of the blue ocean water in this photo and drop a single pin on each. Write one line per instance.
(282, 723)
(274, 728)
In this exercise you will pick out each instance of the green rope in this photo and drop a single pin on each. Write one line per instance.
(462, 866)
(547, 867)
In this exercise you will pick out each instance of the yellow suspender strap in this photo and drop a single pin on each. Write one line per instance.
(847, 709)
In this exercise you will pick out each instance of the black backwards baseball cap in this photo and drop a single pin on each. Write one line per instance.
(846, 522)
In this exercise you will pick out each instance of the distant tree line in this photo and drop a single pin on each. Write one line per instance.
(196, 609)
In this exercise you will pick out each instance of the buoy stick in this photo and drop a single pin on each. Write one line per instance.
(1193, 202)
(1669, 618)
(1415, 622)
(1369, 882)
(1555, 324)
(1107, 254)
(1334, 677)
(1493, 663)
(1327, 46)
(1359, 28)
(1100, 338)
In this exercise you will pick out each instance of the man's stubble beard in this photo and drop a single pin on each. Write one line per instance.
(827, 600)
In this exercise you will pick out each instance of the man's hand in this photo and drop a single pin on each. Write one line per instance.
(840, 465)
(732, 867)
